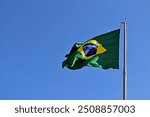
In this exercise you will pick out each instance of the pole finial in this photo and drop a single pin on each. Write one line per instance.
(125, 21)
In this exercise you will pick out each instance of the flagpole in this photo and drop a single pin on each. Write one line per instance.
(124, 63)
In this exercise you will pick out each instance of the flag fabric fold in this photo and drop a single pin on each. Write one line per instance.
(101, 51)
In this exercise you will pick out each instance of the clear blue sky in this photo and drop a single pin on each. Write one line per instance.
(35, 35)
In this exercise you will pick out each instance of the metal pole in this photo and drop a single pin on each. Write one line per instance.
(124, 64)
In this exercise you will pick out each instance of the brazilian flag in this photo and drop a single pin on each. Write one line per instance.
(101, 51)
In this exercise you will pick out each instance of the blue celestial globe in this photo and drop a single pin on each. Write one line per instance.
(90, 49)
